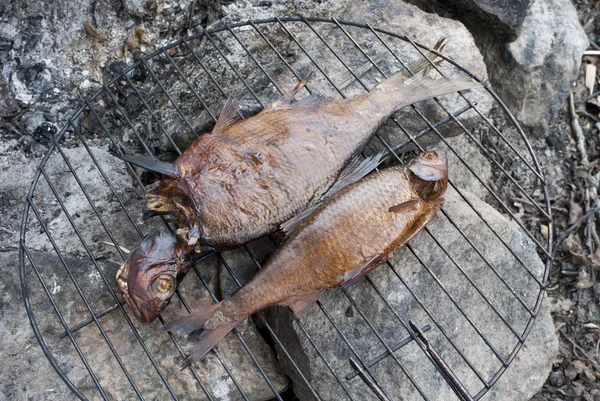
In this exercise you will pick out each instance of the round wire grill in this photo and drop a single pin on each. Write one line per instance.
(157, 106)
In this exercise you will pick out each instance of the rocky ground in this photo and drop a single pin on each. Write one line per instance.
(55, 54)
(573, 286)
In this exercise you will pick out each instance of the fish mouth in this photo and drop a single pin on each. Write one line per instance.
(121, 276)
(430, 169)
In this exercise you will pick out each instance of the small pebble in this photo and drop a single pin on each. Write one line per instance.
(557, 378)
(85, 84)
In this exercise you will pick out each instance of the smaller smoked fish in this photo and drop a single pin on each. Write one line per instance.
(347, 236)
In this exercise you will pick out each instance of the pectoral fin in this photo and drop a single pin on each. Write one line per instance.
(410, 205)
(151, 163)
(354, 171)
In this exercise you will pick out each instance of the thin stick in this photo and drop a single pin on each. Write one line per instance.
(574, 227)
(125, 250)
(578, 347)
(577, 131)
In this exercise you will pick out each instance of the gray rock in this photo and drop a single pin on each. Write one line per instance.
(538, 355)
(533, 74)
(459, 173)
(211, 371)
(8, 105)
(243, 264)
(502, 19)
(33, 121)
(394, 16)
(135, 8)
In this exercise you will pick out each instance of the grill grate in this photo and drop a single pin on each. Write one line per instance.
(155, 104)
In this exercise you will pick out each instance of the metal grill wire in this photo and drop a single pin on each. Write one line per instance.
(187, 64)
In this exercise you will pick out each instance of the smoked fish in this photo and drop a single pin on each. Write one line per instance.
(247, 177)
(347, 236)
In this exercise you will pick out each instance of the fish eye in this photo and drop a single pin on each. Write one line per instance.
(431, 155)
(163, 286)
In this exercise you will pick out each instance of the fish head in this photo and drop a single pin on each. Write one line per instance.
(428, 174)
(149, 276)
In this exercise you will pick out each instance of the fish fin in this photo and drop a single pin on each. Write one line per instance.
(353, 276)
(288, 226)
(313, 100)
(287, 98)
(423, 67)
(407, 206)
(229, 115)
(432, 208)
(151, 163)
(418, 88)
(357, 169)
(403, 90)
(299, 304)
(354, 171)
(207, 341)
(194, 321)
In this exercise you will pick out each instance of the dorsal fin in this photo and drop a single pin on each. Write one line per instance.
(313, 100)
(423, 66)
(229, 115)
(287, 100)
(354, 171)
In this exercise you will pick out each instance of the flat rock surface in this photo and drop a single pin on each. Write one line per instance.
(132, 347)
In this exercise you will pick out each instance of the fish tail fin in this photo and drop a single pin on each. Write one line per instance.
(207, 341)
(406, 92)
(423, 66)
(194, 321)
(408, 87)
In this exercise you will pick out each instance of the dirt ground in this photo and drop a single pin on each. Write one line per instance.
(574, 285)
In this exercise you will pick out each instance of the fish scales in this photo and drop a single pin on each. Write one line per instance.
(345, 233)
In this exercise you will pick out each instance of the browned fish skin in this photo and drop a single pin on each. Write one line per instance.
(244, 179)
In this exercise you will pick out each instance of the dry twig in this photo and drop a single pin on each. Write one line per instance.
(577, 131)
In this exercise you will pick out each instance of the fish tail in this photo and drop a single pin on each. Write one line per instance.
(194, 321)
(207, 341)
(411, 86)
(399, 92)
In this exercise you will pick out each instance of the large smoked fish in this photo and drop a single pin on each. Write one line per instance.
(342, 240)
(247, 177)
